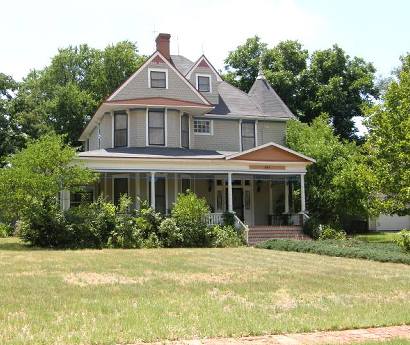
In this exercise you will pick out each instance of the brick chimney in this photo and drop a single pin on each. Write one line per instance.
(163, 45)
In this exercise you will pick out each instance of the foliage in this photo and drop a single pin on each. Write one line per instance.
(63, 96)
(225, 236)
(5, 230)
(228, 218)
(383, 252)
(189, 213)
(388, 143)
(377, 237)
(326, 232)
(326, 81)
(34, 177)
(339, 184)
(9, 132)
(403, 240)
(170, 233)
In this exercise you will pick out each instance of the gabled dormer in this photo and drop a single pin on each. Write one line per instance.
(205, 78)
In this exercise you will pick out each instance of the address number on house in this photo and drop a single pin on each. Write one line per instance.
(267, 167)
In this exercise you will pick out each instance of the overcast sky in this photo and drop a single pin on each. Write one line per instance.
(32, 31)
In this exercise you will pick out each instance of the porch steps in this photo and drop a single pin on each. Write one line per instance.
(263, 233)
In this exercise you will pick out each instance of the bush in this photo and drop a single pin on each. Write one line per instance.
(403, 240)
(6, 230)
(326, 232)
(311, 228)
(189, 213)
(46, 227)
(383, 252)
(229, 218)
(225, 236)
(170, 233)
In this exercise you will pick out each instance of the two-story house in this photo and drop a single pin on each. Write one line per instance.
(176, 125)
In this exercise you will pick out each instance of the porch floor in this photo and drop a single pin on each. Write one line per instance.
(260, 233)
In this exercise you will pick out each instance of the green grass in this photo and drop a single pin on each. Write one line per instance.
(124, 296)
(383, 252)
(377, 237)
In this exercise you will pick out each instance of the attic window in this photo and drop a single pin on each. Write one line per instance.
(158, 79)
(203, 83)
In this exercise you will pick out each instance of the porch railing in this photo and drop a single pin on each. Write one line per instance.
(218, 219)
(285, 219)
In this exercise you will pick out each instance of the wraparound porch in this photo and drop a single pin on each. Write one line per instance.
(258, 199)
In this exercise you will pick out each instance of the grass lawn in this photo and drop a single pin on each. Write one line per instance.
(123, 296)
(377, 237)
(387, 342)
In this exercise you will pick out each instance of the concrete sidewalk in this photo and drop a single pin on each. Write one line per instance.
(316, 338)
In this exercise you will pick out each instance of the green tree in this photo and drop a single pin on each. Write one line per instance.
(63, 96)
(9, 135)
(327, 81)
(33, 177)
(339, 185)
(388, 142)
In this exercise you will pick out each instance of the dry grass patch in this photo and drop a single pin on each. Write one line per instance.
(92, 278)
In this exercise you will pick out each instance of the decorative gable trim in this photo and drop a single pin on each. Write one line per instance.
(203, 62)
(159, 57)
(247, 155)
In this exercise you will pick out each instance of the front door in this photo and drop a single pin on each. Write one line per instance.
(237, 202)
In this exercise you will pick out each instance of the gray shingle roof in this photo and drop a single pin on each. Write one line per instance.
(268, 100)
(154, 152)
(262, 100)
(182, 63)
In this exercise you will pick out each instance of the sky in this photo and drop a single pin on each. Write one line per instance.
(32, 31)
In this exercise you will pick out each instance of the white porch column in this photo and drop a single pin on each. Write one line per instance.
(302, 193)
(230, 203)
(65, 199)
(153, 190)
(137, 190)
(176, 186)
(286, 195)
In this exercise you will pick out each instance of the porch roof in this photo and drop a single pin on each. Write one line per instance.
(155, 152)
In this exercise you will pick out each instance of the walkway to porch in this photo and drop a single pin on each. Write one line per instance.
(261, 233)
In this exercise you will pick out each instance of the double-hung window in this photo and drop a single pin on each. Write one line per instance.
(202, 126)
(156, 127)
(158, 79)
(120, 129)
(203, 83)
(248, 135)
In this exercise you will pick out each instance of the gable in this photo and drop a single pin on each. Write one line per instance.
(271, 153)
(137, 86)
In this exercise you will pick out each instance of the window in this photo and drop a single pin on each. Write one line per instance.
(84, 196)
(203, 127)
(156, 127)
(120, 129)
(158, 79)
(203, 83)
(185, 131)
(248, 135)
(120, 188)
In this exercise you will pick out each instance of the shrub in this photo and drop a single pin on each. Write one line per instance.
(311, 228)
(189, 213)
(326, 232)
(383, 252)
(170, 233)
(46, 227)
(5, 230)
(225, 236)
(228, 218)
(403, 240)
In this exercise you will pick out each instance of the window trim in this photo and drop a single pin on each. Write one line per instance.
(254, 132)
(147, 141)
(211, 126)
(157, 70)
(126, 129)
(197, 75)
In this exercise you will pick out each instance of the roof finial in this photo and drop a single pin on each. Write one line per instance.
(260, 72)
